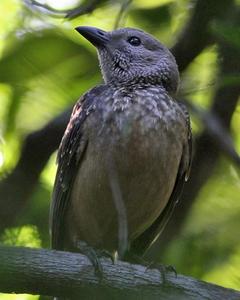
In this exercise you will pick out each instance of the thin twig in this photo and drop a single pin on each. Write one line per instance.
(122, 13)
(183, 92)
(75, 12)
(32, 4)
(216, 129)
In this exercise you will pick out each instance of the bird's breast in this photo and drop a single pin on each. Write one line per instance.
(144, 139)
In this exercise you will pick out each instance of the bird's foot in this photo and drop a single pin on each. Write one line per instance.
(94, 256)
(163, 269)
(107, 254)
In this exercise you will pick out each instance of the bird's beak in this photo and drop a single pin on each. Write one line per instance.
(94, 35)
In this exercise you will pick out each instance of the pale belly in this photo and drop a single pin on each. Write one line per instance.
(146, 167)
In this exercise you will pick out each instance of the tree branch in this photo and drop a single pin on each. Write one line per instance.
(197, 34)
(58, 273)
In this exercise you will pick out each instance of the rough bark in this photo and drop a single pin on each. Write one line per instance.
(58, 273)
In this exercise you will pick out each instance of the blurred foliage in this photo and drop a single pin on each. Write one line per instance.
(45, 66)
(22, 236)
(209, 243)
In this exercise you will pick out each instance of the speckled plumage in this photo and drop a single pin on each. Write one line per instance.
(136, 121)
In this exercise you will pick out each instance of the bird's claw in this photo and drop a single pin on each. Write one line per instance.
(107, 254)
(163, 269)
(94, 256)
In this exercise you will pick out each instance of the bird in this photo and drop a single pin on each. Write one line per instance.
(126, 152)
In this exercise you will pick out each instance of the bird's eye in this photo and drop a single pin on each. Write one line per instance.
(134, 41)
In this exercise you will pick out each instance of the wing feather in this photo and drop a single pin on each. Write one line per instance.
(70, 154)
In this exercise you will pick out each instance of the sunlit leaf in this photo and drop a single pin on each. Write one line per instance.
(22, 236)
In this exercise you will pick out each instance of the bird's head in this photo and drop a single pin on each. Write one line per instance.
(130, 56)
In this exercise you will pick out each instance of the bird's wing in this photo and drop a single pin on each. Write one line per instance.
(140, 245)
(70, 155)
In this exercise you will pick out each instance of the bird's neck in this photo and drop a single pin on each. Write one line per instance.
(139, 82)
(139, 85)
(133, 89)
